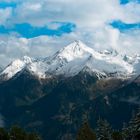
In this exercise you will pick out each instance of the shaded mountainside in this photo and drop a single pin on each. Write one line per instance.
(56, 107)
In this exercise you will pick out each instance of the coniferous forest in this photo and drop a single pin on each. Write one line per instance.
(17, 133)
(103, 131)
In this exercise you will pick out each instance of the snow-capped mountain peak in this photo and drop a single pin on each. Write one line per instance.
(74, 58)
(77, 49)
(27, 59)
(15, 67)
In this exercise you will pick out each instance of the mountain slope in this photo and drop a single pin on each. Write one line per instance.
(55, 95)
(58, 106)
(15, 67)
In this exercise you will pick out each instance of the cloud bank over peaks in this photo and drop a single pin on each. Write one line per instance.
(105, 38)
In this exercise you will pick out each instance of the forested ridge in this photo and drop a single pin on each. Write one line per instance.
(103, 131)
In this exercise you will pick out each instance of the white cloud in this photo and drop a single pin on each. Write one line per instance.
(43, 46)
(54, 25)
(5, 14)
(131, 13)
(12, 47)
(89, 13)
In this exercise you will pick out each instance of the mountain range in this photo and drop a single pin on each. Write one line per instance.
(56, 94)
(74, 58)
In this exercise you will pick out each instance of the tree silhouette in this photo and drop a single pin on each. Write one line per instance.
(86, 133)
(17, 133)
(104, 130)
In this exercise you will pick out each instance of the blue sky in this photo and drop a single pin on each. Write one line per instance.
(127, 1)
(125, 26)
(27, 30)
(5, 4)
(39, 28)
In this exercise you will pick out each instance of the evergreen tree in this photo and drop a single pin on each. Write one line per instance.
(3, 134)
(86, 133)
(126, 132)
(17, 133)
(116, 135)
(104, 130)
(132, 132)
(135, 127)
(32, 136)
